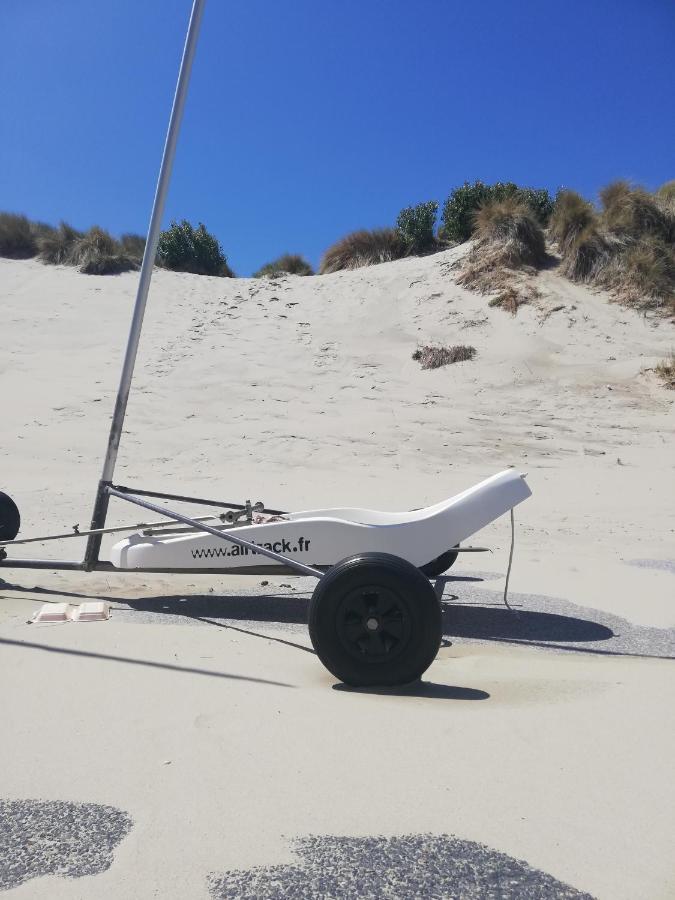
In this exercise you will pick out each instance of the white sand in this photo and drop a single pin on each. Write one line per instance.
(302, 392)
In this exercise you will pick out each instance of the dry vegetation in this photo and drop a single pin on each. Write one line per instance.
(509, 242)
(432, 357)
(287, 264)
(666, 371)
(626, 247)
(17, 236)
(94, 252)
(363, 248)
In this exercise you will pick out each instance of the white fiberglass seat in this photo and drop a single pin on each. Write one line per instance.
(325, 536)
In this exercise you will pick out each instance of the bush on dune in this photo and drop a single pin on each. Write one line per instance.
(363, 248)
(184, 248)
(287, 264)
(459, 210)
(17, 237)
(416, 224)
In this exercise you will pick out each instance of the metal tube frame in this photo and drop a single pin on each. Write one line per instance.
(101, 503)
(224, 535)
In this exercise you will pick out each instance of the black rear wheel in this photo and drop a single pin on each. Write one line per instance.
(441, 564)
(374, 619)
(10, 520)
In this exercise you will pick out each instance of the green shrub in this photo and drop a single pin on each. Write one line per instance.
(288, 263)
(457, 218)
(17, 237)
(416, 225)
(183, 248)
(56, 246)
(363, 248)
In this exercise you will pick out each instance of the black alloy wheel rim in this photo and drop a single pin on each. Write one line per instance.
(373, 623)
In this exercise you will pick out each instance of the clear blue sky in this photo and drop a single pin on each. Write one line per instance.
(306, 120)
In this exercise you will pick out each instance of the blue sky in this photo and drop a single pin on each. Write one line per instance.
(306, 120)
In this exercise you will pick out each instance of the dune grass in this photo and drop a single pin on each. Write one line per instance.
(286, 264)
(666, 371)
(132, 244)
(626, 247)
(433, 357)
(17, 236)
(509, 242)
(363, 248)
(56, 245)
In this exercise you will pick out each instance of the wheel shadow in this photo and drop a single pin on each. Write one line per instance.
(492, 623)
(423, 689)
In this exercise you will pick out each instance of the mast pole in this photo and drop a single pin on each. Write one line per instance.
(101, 503)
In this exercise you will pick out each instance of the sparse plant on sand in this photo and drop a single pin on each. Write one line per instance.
(459, 210)
(17, 237)
(184, 248)
(666, 371)
(433, 357)
(287, 264)
(416, 226)
(363, 248)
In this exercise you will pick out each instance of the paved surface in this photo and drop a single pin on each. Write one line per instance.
(470, 613)
(52, 838)
(418, 865)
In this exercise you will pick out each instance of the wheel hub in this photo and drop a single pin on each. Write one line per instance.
(373, 623)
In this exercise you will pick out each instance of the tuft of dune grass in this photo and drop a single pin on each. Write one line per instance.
(288, 263)
(666, 371)
(363, 248)
(56, 245)
(572, 215)
(509, 242)
(433, 357)
(17, 237)
(132, 244)
(628, 247)
(97, 253)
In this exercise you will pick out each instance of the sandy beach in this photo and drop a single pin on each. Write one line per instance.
(196, 731)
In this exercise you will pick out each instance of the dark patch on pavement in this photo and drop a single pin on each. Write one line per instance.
(662, 565)
(420, 865)
(57, 838)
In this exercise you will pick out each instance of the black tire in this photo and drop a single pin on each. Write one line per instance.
(374, 619)
(441, 564)
(10, 520)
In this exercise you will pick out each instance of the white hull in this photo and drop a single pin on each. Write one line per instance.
(324, 537)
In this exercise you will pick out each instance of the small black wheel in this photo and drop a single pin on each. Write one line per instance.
(374, 619)
(10, 520)
(441, 564)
